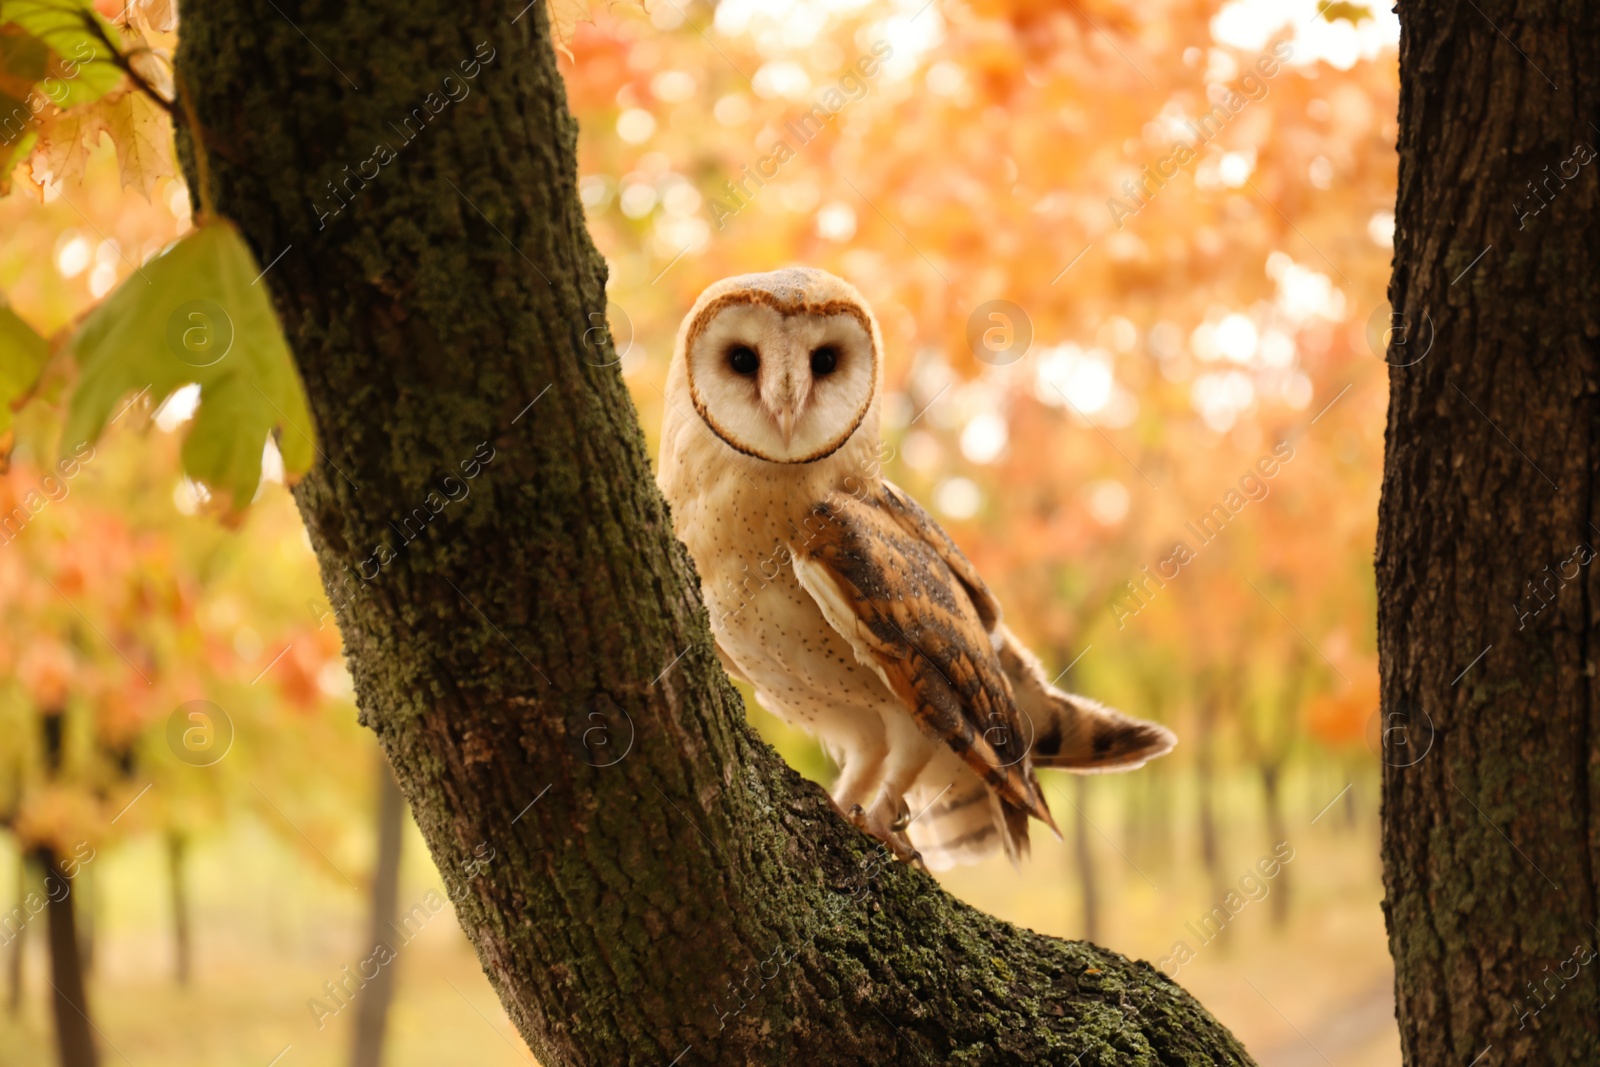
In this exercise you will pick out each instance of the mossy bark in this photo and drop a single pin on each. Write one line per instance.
(644, 880)
(1486, 617)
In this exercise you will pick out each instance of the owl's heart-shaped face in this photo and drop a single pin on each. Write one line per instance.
(782, 384)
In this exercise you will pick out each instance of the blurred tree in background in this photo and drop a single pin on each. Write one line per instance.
(161, 674)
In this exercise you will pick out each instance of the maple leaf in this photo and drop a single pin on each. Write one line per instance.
(22, 357)
(155, 67)
(81, 39)
(14, 153)
(142, 133)
(194, 314)
(24, 60)
(54, 55)
(1343, 9)
(564, 18)
(66, 140)
(566, 14)
(158, 15)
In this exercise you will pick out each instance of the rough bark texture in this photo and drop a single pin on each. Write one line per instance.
(1488, 677)
(537, 663)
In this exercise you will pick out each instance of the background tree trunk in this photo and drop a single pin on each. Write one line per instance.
(1083, 858)
(1206, 785)
(676, 894)
(69, 1001)
(182, 947)
(372, 1010)
(1490, 842)
(86, 911)
(1277, 832)
(17, 948)
(1268, 731)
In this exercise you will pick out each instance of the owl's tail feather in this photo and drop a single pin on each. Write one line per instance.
(968, 821)
(1074, 733)
(965, 823)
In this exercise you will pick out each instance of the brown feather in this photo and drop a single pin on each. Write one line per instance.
(1071, 732)
(917, 522)
(923, 624)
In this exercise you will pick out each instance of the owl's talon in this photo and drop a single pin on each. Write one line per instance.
(890, 837)
(902, 819)
(903, 851)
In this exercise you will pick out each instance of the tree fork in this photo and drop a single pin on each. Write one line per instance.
(538, 666)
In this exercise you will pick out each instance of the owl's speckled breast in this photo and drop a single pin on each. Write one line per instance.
(803, 671)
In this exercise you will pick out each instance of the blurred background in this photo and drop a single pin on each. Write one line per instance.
(1138, 386)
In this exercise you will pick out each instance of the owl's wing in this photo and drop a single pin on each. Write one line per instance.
(917, 522)
(915, 611)
(1066, 731)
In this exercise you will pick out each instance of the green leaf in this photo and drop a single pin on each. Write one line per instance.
(85, 70)
(23, 56)
(22, 356)
(193, 315)
(1342, 9)
(13, 154)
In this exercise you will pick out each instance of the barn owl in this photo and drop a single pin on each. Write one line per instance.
(841, 602)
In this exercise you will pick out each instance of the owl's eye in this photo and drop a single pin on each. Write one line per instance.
(824, 360)
(743, 360)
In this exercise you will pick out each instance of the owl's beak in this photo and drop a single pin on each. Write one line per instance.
(790, 404)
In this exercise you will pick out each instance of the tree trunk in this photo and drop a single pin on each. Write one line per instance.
(182, 947)
(1157, 788)
(1206, 785)
(372, 1009)
(1135, 800)
(18, 944)
(1354, 779)
(1485, 615)
(1277, 833)
(641, 887)
(1084, 858)
(69, 1001)
(87, 914)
